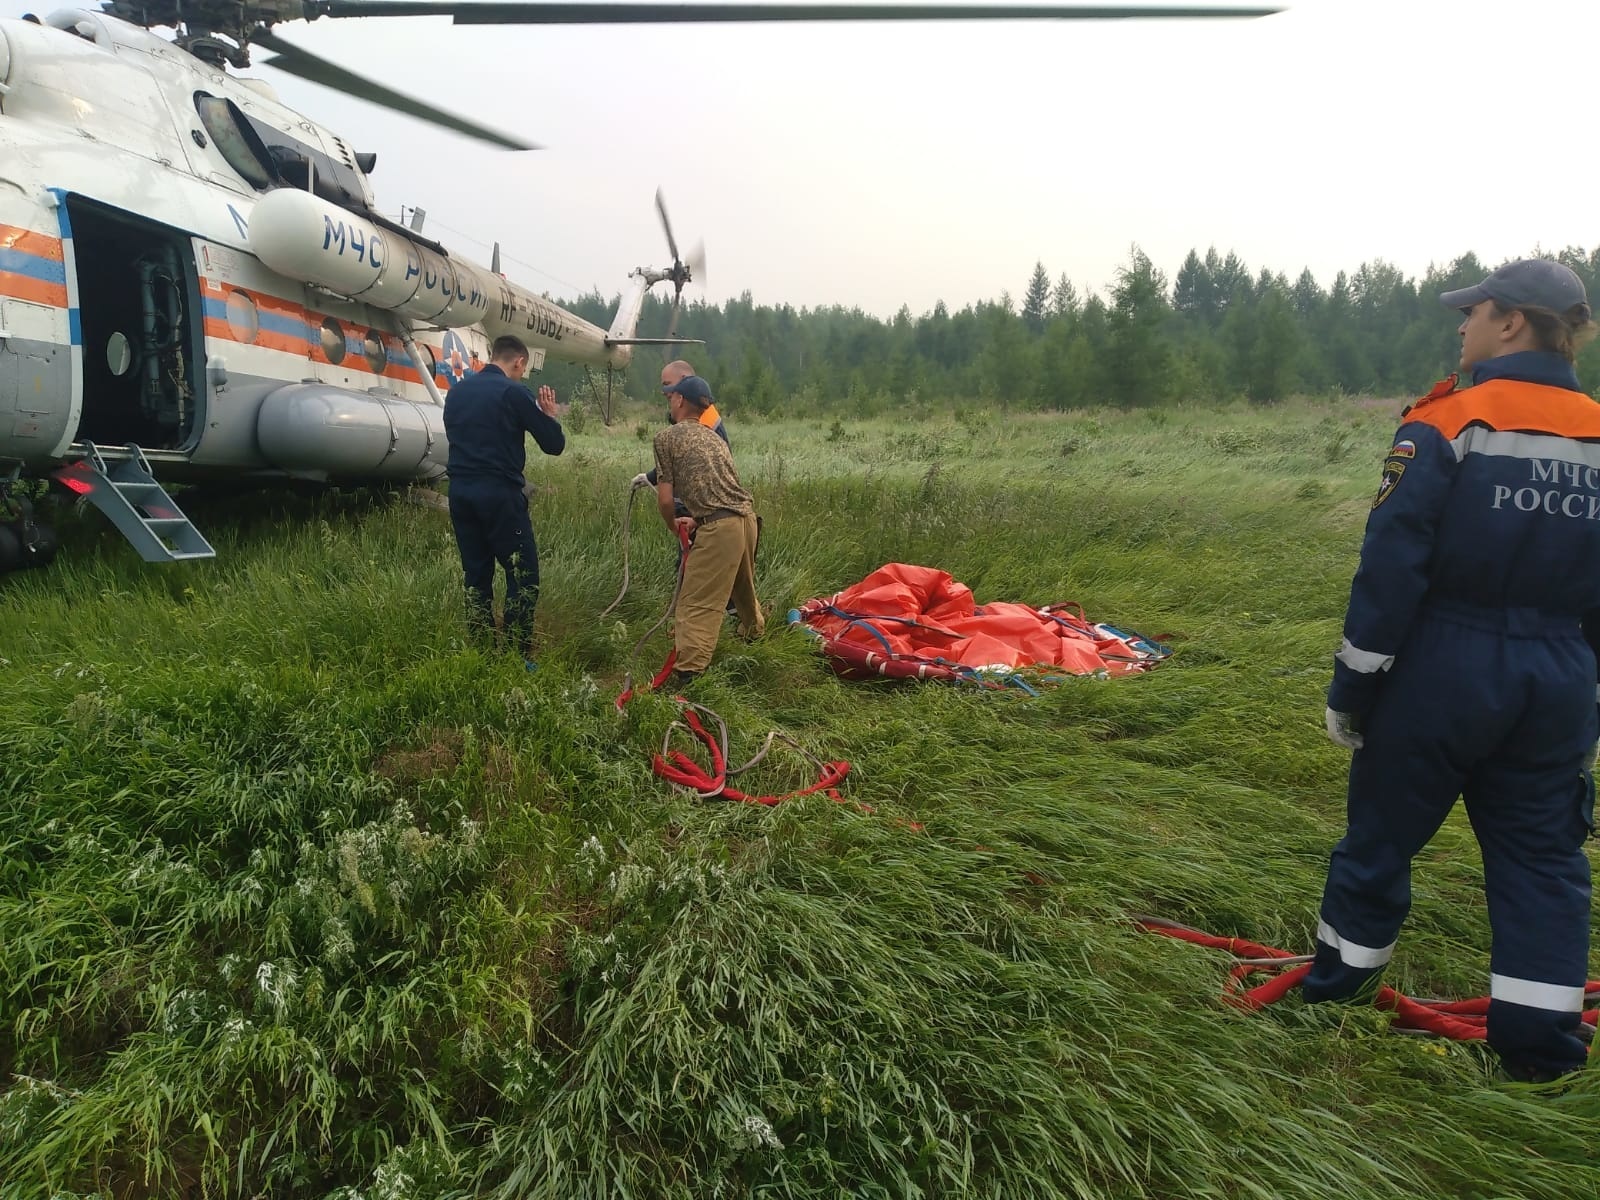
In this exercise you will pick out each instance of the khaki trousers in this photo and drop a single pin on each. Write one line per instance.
(722, 560)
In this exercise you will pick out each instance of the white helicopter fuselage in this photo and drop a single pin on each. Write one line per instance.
(163, 285)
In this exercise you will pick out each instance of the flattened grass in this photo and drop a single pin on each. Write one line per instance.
(300, 896)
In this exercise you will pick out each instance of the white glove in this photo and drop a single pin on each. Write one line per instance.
(1342, 730)
(641, 480)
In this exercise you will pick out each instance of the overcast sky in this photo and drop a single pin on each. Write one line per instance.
(875, 165)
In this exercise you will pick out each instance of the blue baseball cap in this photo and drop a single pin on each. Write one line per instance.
(1537, 282)
(693, 389)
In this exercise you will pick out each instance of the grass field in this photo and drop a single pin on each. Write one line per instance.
(301, 897)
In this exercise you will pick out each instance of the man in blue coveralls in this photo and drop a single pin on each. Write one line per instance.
(1468, 669)
(486, 418)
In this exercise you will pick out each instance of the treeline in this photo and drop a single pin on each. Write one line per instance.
(1215, 331)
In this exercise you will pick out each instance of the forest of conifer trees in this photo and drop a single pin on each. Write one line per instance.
(1214, 331)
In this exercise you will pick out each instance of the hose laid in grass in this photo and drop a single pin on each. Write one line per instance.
(627, 523)
(1458, 1020)
(682, 771)
(677, 587)
(676, 767)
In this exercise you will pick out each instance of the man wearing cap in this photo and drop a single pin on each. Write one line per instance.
(1467, 666)
(710, 417)
(694, 467)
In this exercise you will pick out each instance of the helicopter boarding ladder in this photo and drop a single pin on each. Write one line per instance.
(127, 492)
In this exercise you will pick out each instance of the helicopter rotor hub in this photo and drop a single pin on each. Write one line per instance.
(214, 51)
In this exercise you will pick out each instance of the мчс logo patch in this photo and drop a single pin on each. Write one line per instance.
(1391, 479)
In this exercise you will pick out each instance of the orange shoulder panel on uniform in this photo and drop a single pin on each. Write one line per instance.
(1511, 404)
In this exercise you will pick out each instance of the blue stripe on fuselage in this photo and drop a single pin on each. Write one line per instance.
(20, 262)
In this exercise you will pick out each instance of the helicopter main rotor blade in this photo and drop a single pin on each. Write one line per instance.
(292, 60)
(497, 13)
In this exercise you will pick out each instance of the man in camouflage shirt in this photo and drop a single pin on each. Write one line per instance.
(695, 466)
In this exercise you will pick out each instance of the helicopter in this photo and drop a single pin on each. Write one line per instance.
(196, 282)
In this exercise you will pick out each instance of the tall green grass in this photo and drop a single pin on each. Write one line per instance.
(300, 896)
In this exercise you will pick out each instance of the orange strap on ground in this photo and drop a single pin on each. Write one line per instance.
(1459, 1020)
(679, 769)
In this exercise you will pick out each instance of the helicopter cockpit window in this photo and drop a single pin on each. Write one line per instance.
(266, 157)
(227, 127)
(88, 26)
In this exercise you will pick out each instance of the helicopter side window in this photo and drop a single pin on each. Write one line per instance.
(302, 166)
(293, 166)
(234, 139)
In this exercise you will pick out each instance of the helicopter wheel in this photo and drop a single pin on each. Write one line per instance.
(41, 551)
(10, 549)
(24, 542)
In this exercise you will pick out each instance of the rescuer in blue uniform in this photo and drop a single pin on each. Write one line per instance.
(486, 418)
(1467, 666)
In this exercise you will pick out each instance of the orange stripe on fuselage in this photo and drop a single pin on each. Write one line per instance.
(34, 291)
(40, 245)
(1510, 404)
(307, 345)
(266, 339)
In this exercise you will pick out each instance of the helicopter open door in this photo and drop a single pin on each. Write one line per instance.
(138, 296)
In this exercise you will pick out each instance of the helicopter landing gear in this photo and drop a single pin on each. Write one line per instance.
(24, 542)
(594, 391)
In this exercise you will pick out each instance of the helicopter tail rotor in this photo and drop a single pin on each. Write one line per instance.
(682, 271)
(696, 263)
(666, 224)
(672, 325)
(694, 270)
